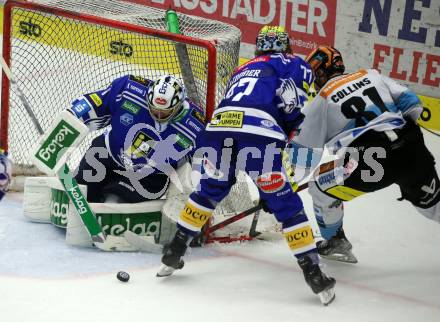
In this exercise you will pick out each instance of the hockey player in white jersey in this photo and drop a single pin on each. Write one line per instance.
(5, 173)
(368, 121)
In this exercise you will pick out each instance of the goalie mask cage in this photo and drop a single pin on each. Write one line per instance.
(58, 50)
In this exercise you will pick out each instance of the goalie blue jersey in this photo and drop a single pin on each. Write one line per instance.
(264, 97)
(135, 138)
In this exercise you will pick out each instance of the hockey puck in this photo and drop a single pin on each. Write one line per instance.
(123, 276)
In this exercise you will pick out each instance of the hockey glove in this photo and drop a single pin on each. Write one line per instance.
(293, 120)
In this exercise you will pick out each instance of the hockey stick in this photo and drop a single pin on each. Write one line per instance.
(183, 57)
(21, 96)
(149, 246)
(243, 214)
(428, 130)
(253, 230)
(69, 183)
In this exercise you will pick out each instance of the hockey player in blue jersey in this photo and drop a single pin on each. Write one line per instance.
(5, 173)
(248, 132)
(153, 130)
(369, 123)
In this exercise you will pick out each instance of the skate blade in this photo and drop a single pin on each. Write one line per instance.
(345, 258)
(165, 270)
(327, 296)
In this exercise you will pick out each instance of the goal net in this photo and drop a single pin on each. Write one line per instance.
(58, 50)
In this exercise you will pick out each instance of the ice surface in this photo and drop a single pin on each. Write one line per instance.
(397, 277)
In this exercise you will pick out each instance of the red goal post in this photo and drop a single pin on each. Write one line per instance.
(59, 50)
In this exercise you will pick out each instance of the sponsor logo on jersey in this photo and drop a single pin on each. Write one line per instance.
(141, 146)
(136, 89)
(232, 119)
(95, 99)
(299, 238)
(193, 125)
(194, 216)
(181, 115)
(198, 116)
(126, 119)
(255, 60)
(326, 167)
(327, 179)
(331, 174)
(183, 141)
(431, 193)
(267, 123)
(429, 189)
(271, 182)
(61, 137)
(282, 193)
(140, 80)
(131, 107)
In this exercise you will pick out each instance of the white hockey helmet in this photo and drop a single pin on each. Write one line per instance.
(165, 97)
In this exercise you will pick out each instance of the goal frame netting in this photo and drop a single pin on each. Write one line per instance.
(228, 207)
(208, 45)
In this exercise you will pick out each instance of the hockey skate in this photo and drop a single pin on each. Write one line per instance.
(338, 248)
(321, 284)
(172, 254)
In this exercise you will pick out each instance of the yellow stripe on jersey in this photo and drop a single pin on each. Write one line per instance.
(194, 216)
(344, 193)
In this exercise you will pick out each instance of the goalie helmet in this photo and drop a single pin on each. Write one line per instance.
(272, 39)
(325, 62)
(165, 97)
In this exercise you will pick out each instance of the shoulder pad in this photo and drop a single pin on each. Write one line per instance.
(140, 80)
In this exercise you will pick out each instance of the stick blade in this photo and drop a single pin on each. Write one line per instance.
(143, 243)
(115, 244)
(327, 296)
